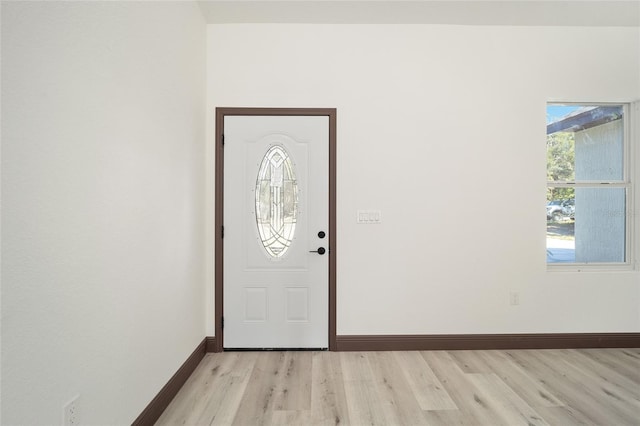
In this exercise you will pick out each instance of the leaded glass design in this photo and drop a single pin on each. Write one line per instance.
(276, 201)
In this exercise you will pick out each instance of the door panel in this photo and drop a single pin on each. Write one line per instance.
(275, 204)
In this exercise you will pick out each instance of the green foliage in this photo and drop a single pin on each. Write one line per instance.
(560, 164)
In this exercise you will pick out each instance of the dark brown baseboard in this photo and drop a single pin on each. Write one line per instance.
(486, 341)
(157, 406)
(211, 343)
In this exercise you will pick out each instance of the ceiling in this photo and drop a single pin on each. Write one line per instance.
(453, 12)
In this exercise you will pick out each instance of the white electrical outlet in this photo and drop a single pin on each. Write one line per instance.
(71, 412)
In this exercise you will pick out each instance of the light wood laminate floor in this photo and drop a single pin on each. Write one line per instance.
(507, 387)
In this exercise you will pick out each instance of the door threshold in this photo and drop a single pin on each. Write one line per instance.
(273, 349)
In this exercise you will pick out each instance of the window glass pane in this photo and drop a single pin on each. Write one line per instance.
(589, 228)
(585, 143)
(561, 241)
(276, 201)
(561, 157)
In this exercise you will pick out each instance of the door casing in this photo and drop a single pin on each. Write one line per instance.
(221, 113)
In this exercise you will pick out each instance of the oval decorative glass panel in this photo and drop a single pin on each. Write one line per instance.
(276, 201)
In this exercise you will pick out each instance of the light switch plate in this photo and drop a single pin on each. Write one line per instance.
(370, 217)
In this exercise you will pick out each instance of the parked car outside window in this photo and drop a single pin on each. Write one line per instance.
(569, 208)
(560, 209)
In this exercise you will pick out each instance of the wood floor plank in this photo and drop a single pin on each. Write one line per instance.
(426, 387)
(601, 372)
(579, 395)
(619, 404)
(623, 361)
(213, 369)
(512, 409)
(328, 400)
(466, 395)
(363, 403)
(290, 417)
(223, 404)
(564, 415)
(178, 409)
(256, 405)
(525, 385)
(398, 401)
(470, 362)
(632, 353)
(355, 366)
(470, 388)
(293, 392)
(449, 418)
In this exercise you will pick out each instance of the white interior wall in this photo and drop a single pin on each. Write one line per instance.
(442, 128)
(103, 206)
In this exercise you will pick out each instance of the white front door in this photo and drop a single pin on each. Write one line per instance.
(276, 220)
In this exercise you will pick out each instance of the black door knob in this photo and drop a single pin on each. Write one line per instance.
(321, 250)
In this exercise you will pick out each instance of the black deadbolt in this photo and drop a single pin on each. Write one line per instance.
(321, 234)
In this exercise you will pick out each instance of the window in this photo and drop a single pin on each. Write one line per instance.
(588, 185)
(276, 201)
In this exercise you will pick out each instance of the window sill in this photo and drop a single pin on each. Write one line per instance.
(592, 267)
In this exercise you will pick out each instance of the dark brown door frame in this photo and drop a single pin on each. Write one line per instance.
(221, 113)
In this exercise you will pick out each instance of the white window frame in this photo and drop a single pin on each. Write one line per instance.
(631, 129)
